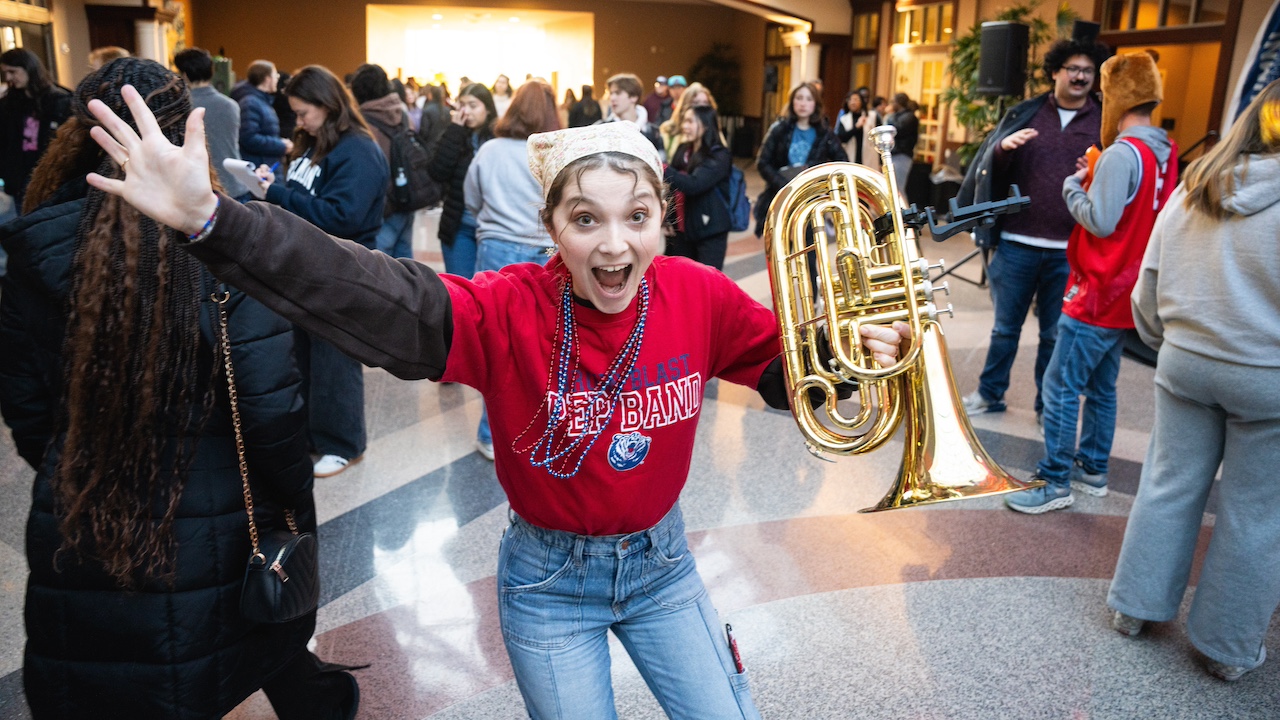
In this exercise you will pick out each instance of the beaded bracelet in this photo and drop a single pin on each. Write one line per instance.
(208, 225)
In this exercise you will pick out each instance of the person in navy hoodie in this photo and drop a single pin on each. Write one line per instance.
(260, 141)
(337, 180)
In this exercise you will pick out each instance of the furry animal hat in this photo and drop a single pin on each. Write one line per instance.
(1128, 81)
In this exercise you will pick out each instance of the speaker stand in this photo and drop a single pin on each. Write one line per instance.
(981, 282)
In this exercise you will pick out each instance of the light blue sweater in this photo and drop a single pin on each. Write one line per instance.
(503, 196)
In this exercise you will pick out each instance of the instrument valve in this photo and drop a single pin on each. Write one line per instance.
(944, 288)
(948, 310)
(940, 266)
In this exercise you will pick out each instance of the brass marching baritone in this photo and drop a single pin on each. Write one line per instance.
(874, 274)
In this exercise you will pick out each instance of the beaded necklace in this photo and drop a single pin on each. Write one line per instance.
(555, 449)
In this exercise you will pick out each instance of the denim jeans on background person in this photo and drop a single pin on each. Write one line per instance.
(559, 594)
(1020, 273)
(460, 257)
(494, 254)
(333, 387)
(395, 238)
(1085, 362)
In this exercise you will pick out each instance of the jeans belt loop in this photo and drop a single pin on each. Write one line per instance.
(653, 541)
(579, 543)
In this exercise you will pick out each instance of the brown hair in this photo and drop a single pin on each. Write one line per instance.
(627, 83)
(134, 392)
(315, 85)
(616, 161)
(1210, 179)
(259, 71)
(816, 119)
(533, 110)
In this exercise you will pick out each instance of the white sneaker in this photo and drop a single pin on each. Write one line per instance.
(975, 404)
(485, 449)
(331, 465)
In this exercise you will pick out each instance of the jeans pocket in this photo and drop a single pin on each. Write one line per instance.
(526, 565)
(742, 693)
(670, 549)
(673, 583)
(539, 592)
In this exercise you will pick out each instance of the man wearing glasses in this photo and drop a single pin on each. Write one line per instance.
(1035, 146)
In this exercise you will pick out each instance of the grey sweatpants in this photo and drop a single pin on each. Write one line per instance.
(1208, 412)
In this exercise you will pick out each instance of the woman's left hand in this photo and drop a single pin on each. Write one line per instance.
(884, 343)
(167, 183)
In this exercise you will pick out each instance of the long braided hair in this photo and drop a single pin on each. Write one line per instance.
(134, 392)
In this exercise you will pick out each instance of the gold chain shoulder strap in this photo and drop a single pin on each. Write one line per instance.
(224, 341)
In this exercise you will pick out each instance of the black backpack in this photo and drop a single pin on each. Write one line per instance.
(411, 187)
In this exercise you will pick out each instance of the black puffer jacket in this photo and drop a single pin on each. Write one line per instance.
(449, 162)
(705, 184)
(164, 651)
(773, 158)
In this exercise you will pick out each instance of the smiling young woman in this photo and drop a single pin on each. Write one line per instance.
(593, 367)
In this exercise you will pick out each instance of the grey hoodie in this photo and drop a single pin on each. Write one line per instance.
(1115, 180)
(502, 194)
(1212, 286)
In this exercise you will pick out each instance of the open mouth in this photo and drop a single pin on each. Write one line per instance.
(612, 279)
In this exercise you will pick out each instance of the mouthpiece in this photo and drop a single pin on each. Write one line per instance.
(882, 136)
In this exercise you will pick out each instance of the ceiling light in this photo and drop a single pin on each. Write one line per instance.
(513, 19)
(437, 16)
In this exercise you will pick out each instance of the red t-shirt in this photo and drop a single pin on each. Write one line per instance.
(700, 325)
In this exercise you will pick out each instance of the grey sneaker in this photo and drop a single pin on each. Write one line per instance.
(975, 404)
(1039, 500)
(1127, 624)
(1088, 483)
(485, 449)
(1228, 673)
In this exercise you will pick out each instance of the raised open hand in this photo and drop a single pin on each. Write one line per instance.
(167, 183)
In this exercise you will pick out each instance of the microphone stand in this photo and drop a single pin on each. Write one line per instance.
(964, 219)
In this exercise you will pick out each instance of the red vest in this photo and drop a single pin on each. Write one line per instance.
(1104, 270)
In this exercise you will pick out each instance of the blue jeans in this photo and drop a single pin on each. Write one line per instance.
(395, 238)
(493, 254)
(1020, 273)
(1085, 362)
(559, 594)
(460, 257)
(333, 387)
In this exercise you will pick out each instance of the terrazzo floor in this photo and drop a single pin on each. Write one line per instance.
(963, 610)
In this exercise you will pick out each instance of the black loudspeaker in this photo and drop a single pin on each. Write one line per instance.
(1085, 31)
(1002, 59)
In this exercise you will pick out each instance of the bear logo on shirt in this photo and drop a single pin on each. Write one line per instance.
(628, 450)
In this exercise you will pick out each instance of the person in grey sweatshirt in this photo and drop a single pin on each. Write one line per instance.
(1207, 298)
(1130, 183)
(505, 199)
(221, 116)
